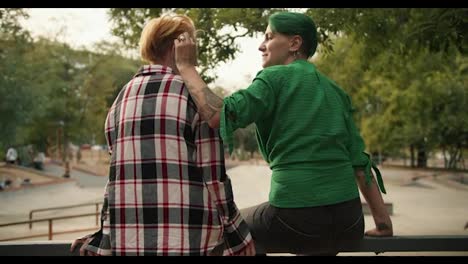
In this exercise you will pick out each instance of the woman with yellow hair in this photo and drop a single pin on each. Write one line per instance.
(168, 192)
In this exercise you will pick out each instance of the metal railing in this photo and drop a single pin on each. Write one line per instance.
(63, 208)
(50, 220)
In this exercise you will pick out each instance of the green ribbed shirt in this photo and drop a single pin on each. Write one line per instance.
(305, 131)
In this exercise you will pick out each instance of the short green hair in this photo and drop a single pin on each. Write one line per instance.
(291, 23)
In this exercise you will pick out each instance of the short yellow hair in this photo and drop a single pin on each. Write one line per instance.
(159, 33)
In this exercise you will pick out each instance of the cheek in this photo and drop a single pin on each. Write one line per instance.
(276, 49)
(272, 50)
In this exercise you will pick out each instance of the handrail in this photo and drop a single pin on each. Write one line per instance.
(50, 221)
(47, 234)
(63, 207)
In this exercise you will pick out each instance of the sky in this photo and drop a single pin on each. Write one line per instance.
(85, 26)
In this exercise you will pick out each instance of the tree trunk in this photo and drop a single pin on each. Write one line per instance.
(422, 157)
(452, 158)
(412, 155)
(444, 151)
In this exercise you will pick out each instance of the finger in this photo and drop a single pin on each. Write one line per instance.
(74, 244)
(370, 232)
(72, 247)
(182, 37)
(186, 35)
(83, 250)
(374, 233)
(191, 40)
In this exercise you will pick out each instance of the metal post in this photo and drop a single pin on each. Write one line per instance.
(97, 214)
(50, 229)
(67, 168)
(30, 219)
(57, 152)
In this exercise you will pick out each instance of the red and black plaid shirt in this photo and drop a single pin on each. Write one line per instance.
(168, 192)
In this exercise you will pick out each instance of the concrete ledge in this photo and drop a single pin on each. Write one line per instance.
(369, 244)
(37, 248)
(411, 244)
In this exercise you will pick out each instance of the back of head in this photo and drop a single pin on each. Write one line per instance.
(291, 23)
(159, 33)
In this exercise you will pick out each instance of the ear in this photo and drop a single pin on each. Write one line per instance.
(171, 49)
(295, 43)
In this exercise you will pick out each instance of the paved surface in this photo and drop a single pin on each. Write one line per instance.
(84, 180)
(427, 206)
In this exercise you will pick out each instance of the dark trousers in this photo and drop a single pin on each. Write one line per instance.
(320, 230)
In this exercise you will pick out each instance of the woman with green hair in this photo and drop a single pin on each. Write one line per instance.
(306, 133)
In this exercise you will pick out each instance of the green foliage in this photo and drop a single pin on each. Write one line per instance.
(215, 44)
(400, 30)
(417, 98)
(54, 93)
(15, 93)
(9, 23)
(245, 140)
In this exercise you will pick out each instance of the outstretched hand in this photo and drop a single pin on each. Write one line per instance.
(249, 250)
(380, 231)
(185, 51)
(84, 241)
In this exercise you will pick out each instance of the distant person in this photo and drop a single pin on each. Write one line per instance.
(11, 156)
(78, 155)
(39, 160)
(306, 133)
(168, 192)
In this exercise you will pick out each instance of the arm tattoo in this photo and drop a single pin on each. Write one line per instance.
(382, 226)
(212, 104)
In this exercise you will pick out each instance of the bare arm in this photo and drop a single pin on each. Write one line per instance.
(376, 204)
(208, 103)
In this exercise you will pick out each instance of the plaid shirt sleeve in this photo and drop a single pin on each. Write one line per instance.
(210, 160)
(100, 243)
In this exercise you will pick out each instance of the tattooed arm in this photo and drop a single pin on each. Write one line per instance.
(208, 103)
(373, 197)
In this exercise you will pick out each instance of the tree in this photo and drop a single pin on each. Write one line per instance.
(80, 87)
(10, 27)
(387, 59)
(215, 43)
(398, 29)
(250, 140)
(16, 98)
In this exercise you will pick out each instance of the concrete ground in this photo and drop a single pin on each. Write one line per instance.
(426, 206)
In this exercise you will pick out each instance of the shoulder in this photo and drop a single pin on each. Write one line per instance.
(274, 71)
(273, 76)
(176, 79)
(336, 88)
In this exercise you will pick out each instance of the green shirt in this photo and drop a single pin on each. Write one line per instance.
(305, 132)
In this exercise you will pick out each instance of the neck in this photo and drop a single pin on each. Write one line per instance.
(291, 59)
(167, 61)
